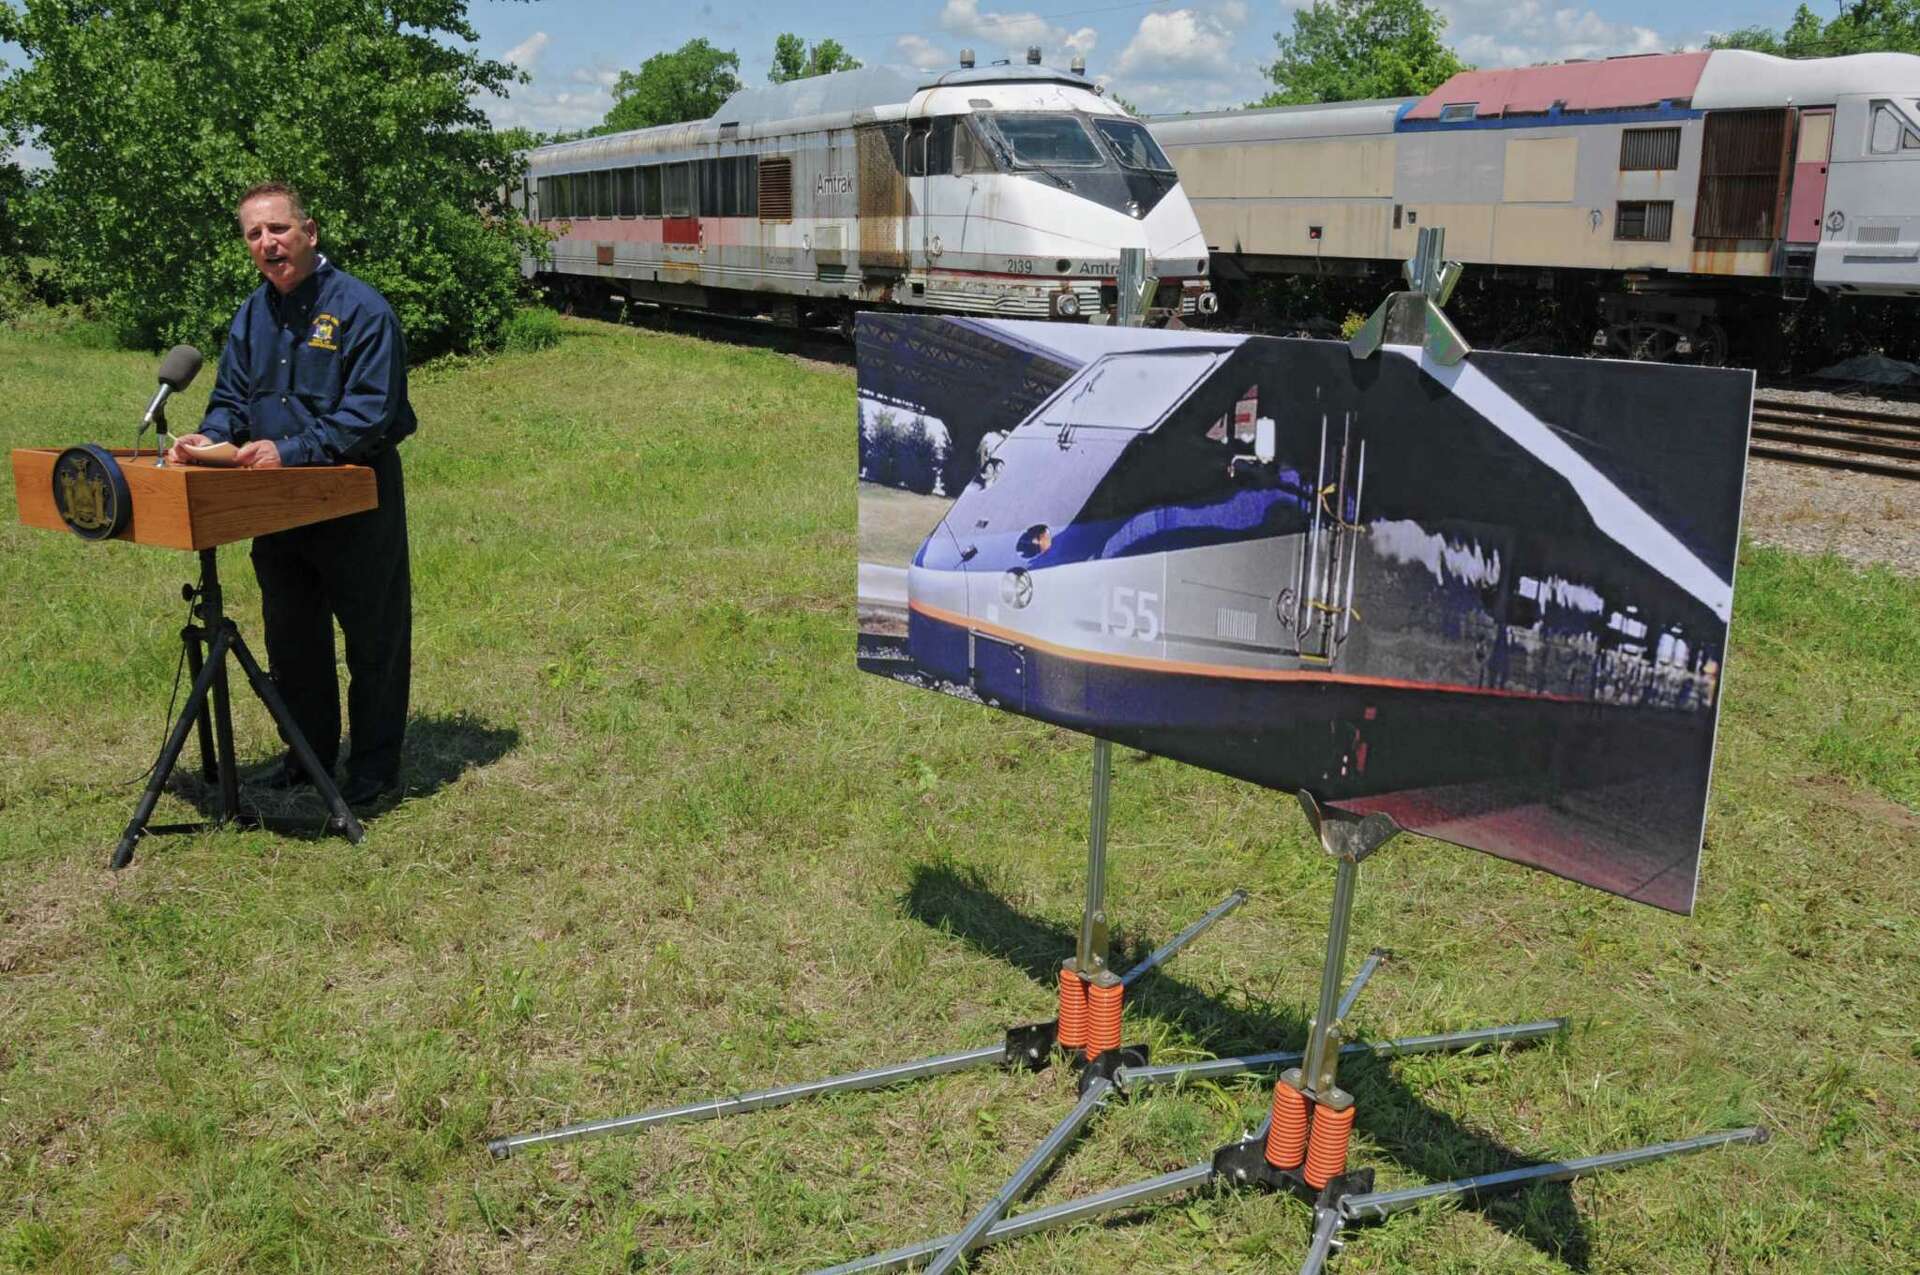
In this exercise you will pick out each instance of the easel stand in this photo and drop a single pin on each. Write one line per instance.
(1302, 1147)
(209, 710)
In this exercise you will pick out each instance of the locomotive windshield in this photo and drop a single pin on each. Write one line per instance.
(1130, 391)
(1134, 145)
(1044, 141)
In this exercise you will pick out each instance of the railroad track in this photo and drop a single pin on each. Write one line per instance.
(1869, 442)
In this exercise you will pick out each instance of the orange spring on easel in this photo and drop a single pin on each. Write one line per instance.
(1287, 1132)
(1327, 1148)
(1071, 1030)
(1103, 1017)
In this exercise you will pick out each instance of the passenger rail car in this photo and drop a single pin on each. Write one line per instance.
(1001, 190)
(1683, 192)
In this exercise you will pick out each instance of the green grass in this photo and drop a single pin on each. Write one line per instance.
(664, 841)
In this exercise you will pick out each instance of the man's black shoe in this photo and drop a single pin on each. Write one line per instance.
(367, 790)
(287, 774)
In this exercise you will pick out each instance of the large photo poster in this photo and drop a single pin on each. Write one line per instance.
(1490, 600)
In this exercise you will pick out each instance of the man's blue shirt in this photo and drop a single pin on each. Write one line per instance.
(321, 371)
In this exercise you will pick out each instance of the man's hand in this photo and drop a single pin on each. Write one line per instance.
(259, 454)
(174, 454)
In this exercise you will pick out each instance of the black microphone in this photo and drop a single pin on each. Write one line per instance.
(177, 371)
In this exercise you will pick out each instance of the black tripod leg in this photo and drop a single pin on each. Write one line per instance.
(223, 729)
(269, 695)
(176, 740)
(192, 637)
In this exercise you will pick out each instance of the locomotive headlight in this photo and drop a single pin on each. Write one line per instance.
(1066, 305)
(1016, 587)
(1133, 208)
(1207, 303)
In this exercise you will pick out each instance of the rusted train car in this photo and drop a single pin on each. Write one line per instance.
(1677, 194)
(1002, 190)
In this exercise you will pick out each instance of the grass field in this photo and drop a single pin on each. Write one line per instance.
(663, 841)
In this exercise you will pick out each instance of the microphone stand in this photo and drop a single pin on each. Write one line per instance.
(156, 419)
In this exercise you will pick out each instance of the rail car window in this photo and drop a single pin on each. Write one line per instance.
(940, 146)
(547, 206)
(563, 195)
(1892, 133)
(970, 154)
(603, 193)
(626, 196)
(1046, 141)
(1647, 220)
(930, 149)
(730, 187)
(1178, 487)
(1649, 149)
(747, 174)
(650, 191)
(1458, 112)
(1134, 145)
(676, 190)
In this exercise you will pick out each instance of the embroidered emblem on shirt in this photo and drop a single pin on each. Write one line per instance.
(324, 328)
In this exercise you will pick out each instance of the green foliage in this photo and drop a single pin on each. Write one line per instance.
(531, 328)
(368, 106)
(689, 83)
(1868, 26)
(793, 60)
(1348, 50)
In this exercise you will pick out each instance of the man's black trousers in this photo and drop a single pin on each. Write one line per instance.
(353, 569)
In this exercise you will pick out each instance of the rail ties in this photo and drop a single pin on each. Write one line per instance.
(1861, 440)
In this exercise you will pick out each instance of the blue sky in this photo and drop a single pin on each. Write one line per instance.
(1167, 55)
(1162, 55)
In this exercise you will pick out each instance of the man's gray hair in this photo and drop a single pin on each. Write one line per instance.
(263, 190)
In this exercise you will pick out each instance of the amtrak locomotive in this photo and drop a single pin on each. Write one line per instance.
(1000, 190)
(1394, 583)
(1666, 198)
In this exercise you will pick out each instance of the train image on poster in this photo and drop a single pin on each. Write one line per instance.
(1491, 600)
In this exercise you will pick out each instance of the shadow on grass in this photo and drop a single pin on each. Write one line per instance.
(1428, 1143)
(438, 750)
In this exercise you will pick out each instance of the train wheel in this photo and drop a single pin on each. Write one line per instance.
(1710, 345)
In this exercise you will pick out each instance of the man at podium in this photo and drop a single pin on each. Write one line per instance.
(315, 373)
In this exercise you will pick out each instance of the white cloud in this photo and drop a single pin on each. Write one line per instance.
(528, 51)
(1497, 33)
(923, 54)
(1185, 60)
(1013, 33)
(1180, 43)
(554, 102)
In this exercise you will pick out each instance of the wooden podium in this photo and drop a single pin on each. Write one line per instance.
(200, 508)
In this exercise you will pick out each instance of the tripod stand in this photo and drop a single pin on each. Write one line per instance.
(209, 710)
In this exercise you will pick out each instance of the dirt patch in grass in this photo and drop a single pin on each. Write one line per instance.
(1826, 790)
(42, 923)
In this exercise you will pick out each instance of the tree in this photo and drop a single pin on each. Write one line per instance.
(917, 457)
(793, 60)
(689, 83)
(880, 448)
(159, 113)
(1346, 50)
(1868, 26)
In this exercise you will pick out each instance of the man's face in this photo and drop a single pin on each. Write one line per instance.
(285, 249)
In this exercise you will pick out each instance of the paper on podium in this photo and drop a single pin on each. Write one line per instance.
(211, 453)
